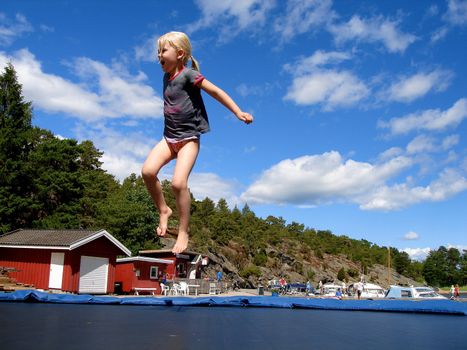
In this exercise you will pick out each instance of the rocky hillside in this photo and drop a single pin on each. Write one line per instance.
(288, 261)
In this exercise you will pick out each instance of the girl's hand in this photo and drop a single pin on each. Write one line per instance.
(245, 117)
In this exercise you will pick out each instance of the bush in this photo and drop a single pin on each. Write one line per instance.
(260, 259)
(250, 270)
(310, 275)
(341, 274)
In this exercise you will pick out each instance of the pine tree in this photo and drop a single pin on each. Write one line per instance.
(15, 127)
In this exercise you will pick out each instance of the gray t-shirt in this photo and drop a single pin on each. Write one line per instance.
(184, 111)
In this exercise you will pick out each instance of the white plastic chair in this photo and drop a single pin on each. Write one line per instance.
(213, 290)
(183, 288)
(175, 289)
(165, 289)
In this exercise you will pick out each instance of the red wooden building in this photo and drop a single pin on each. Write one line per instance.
(185, 265)
(143, 273)
(140, 273)
(77, 261)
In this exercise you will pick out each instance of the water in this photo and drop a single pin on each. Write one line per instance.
(71, 326)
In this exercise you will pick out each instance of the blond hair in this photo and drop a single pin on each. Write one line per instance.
(179, 41)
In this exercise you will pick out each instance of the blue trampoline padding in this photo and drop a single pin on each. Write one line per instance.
(419, 306)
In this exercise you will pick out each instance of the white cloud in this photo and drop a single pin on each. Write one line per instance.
(147, 51)
(318, 60)
(449, 142)
(449, 183)
(418, 254)
(301, 16)
(10, 30)
(431, 120)
(390, 153)
(118, 94)
(232, 15)
(456, 14)
(325, 178)
(211, 185)
(332, 88)
(421, 144)
(120, 165)
(418, 85)
(411, 236)
(255, 90)
(376, 29)
(124, 153)
(427, 144)
(439, 34)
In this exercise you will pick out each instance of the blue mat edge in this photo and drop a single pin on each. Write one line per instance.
(446, 307)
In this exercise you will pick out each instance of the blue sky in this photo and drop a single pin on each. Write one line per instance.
(359, 106)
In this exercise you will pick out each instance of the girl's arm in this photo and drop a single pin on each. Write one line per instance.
(221, 96)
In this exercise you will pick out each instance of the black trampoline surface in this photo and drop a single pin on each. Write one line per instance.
(78, 326)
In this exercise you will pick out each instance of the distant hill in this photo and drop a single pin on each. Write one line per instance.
(290, 263)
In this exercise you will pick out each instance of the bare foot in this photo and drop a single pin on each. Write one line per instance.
(163, 222)
(182, 243)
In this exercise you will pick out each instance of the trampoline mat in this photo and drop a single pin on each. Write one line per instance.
(93, 326)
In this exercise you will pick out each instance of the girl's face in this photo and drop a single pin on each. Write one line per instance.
(170, 58)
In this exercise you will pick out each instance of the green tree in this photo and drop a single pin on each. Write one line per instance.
(15, 128)
(400, 261)
(130, 216)
(436, 268)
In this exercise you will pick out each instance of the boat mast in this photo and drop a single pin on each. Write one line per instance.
(389, 267)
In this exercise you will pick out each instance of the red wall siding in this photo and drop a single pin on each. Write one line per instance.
(126, 274)
(101, 248)
(32, 265)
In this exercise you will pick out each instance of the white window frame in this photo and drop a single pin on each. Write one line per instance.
(154, 272)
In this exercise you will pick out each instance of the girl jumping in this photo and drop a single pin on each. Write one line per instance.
(185, 119)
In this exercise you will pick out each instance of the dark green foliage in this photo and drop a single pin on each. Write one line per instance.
(15, 129)
(341, 274)
(445, 267)
(45, 182)
(128, 213)
(260, 258)
(250, 270)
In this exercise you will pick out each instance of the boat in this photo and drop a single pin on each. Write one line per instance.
(329, 290)
(370, 290)
(411, 292)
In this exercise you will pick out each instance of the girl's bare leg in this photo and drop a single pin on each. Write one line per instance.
(186, 158)
(160, 155)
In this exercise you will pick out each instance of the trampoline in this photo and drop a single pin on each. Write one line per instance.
(48, 321)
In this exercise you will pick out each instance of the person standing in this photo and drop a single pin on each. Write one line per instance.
(359, 290)
(456, 292)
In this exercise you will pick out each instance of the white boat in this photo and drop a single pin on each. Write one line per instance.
(398, 292)
(330, 289)
(370, 290)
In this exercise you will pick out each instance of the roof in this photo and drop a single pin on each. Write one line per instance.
(58, 239)
(146, 259)
(165, 251)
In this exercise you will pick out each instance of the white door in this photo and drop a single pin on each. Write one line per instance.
(56, 270)
(93, 274)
